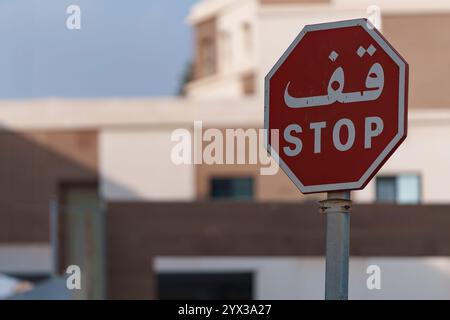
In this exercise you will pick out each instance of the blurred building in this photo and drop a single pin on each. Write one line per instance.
(92, 183)
(237, 43)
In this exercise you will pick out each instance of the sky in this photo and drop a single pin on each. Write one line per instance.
(123, 49)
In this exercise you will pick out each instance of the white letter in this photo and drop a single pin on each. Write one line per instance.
(74, 20)
(241, 138)
(294, 140)
(198, 142)
(74, 280)
(337, 134)
(264, 157)
(181, 152)
(317, 127)
(374, 280)
(216, 147)
(370, 133)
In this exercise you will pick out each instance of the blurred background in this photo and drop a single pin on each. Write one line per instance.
(89, 99)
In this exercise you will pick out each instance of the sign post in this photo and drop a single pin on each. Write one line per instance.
(337, 210)
(338, 97)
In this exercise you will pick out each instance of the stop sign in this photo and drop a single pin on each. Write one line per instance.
(338, 99)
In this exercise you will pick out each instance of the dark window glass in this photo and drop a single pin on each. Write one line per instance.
(232, 188)
(208, 58)
(386, 189)
(205, 286)
(401, 189)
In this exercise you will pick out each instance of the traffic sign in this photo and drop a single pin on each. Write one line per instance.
(338, 97)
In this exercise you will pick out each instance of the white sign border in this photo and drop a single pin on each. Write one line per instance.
(370, 29)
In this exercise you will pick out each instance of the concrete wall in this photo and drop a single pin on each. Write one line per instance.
(294, 278)
(135, 164)
(216, 87)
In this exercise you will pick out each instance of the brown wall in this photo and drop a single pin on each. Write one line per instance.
(137, 232)
(32, 166)
(424, 41)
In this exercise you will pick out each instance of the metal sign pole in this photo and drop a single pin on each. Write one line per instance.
(337, 210)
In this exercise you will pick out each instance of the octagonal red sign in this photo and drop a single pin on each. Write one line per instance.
(338, 98)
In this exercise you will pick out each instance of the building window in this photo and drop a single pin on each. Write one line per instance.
(208, 57)
(401, 189)
(232, 188)
(206, 45)
(386, 189)
(205, 286)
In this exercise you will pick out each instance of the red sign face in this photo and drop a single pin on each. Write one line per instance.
(338, 98)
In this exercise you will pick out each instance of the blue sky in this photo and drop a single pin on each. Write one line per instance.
(124, 48)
